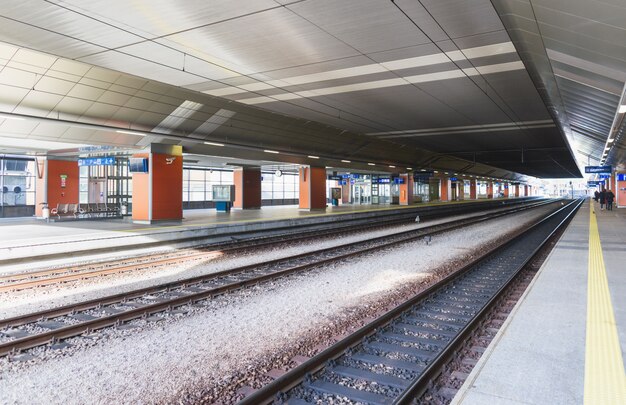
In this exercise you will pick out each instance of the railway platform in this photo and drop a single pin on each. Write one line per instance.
(565, 341)
(26, 239)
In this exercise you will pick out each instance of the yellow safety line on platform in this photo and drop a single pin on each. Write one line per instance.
(605, 379)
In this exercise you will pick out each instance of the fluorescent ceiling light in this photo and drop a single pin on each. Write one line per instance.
(6, 117)
(130, 133)
(622, 109)
(313, 157)
(214, 143)
(393, 167)
(409, 168)
(346, 161)
(270, 151)
(371, 164)
(610, 140)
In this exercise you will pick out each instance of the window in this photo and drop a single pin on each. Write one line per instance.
(198, 182)
(17, 182)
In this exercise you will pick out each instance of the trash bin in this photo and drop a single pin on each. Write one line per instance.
(45, 211)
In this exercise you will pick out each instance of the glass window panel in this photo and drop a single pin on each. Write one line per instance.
(196, 196)
(227, 178)
(196, 175)
(215, 177)
(266, 195)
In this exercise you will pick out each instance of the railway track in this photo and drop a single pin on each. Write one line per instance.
(54, 325)
(47, 277)
(393, 359)
(284, 228)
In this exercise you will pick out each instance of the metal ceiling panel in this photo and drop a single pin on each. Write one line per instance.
(288, 40)
(366, 25)
(157, 18)
(333, 71)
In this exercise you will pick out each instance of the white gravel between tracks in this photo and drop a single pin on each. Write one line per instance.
(162, 362)
(27, 301)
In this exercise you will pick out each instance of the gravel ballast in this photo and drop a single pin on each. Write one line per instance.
(213, 347)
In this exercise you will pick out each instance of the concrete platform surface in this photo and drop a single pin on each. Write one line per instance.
(539, 355)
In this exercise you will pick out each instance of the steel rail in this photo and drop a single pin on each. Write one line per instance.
(294, 377)
(21, 281)
(31, 341)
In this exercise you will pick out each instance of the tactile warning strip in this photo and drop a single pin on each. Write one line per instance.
(605, 379)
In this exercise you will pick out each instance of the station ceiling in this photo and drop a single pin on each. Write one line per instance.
(502, 88)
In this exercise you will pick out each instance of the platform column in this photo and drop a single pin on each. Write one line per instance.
(247, 188)
(472, 189)
(312, 188)
(506, 187)
(516, 190)
(445, 189)
(525, 190)
(406, 189)
(489, 189)
(158, 194)
(57, 183)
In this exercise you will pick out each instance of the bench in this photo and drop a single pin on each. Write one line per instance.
(66, 210)
(91, 210)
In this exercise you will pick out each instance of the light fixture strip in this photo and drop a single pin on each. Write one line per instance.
(119, 131)
(270, 151)
(213, 143)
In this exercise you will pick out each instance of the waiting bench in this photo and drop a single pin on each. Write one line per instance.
(84, 211)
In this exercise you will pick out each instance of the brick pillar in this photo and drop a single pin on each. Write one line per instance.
(247, 188)
(506, 189)
(472, 189)
(406, 189)
(444, 195)
(489, 189)
(158, 194)
(57, 183)
(312, 188)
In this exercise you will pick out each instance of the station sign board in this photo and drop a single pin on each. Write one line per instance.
(454, 179)
(425, 175)
(384, 180)
(101, 161)
(338, 178)
(605, 176)
(621, 177)
(398, 180)
(595, 183)
(598, 169)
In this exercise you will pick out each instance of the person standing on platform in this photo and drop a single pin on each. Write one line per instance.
(609, 200)
(596, 195)
(602, 197)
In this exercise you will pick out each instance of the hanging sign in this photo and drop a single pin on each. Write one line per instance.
(101, 161)
(605, 176)
(621, 177)
(598, 169)
(334, 178)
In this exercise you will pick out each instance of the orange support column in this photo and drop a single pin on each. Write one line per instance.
(312, 188)
(525, 190)
(247, 188)
(516, 190)
(620, 190)
(57, 183)
(472, 189)
(158, 194)
(406, 189)
(489, 189)
(445, 189)
(506, 187)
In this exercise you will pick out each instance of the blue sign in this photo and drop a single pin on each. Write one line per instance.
(598, 169)
(621, 177)
(453, 179)
(343, 182)
(384, 181)
(398, 180)
(593, 183)
(605, 176)
(103, 161)
(424, 174)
